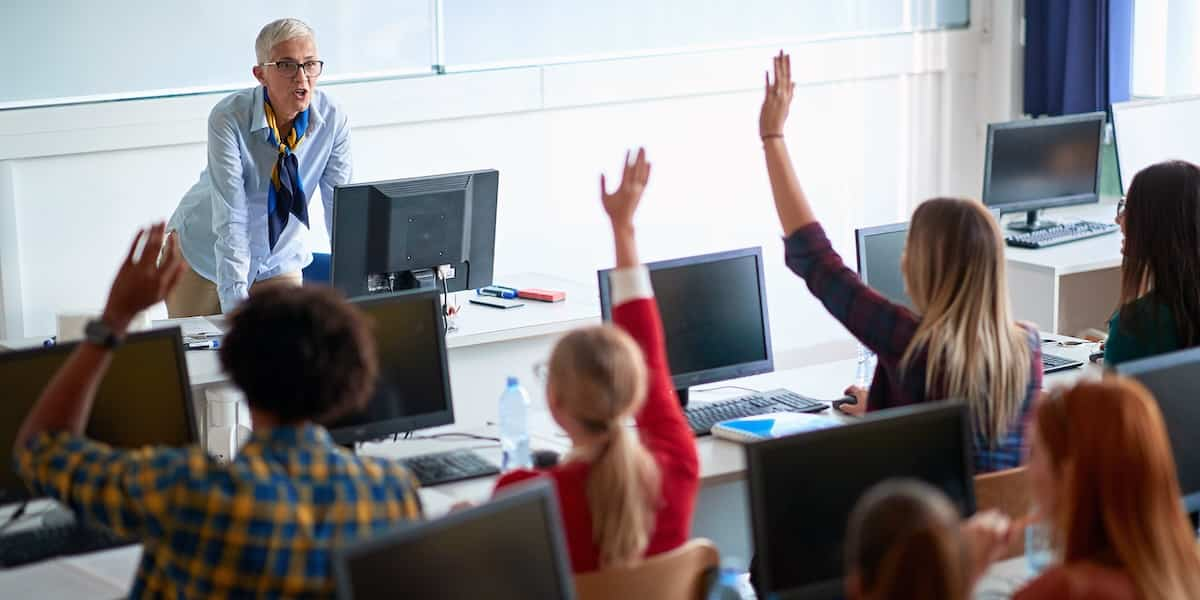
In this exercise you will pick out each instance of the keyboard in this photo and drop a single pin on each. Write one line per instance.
(63, 538)
(701, 417)
(1052, 363)
(1060, 234)
(446, 467)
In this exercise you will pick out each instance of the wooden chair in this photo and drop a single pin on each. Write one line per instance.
(1007, 492)
(685, 573)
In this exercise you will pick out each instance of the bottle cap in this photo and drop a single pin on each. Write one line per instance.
(513, 382)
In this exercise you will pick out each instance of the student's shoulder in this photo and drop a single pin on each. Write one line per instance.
(1079, 581)
(236, 108)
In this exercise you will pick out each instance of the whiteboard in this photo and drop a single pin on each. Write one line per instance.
(1151, 131)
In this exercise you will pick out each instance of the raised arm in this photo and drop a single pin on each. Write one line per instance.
(790, 202)
(141, 282)
(660, 420)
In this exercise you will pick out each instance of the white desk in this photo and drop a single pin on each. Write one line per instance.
(1073, 286)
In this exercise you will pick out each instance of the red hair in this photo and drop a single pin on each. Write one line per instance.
(1118, 494)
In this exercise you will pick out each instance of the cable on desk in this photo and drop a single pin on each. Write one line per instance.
(13, 518)
(455, 434)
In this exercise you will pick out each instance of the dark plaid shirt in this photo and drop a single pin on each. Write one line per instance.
(888, 329)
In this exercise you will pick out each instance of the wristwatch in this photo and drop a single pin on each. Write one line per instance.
(99, 333)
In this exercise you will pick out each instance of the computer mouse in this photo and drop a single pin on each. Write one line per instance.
(544, 459)
(844, 400)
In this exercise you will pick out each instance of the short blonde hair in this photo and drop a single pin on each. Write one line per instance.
(280, 30)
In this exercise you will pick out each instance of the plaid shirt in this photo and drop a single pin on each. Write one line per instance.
(264, 525)
(888, 329)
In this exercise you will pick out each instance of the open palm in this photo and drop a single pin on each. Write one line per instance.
(622, 203)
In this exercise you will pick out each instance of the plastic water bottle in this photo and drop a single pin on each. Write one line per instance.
(1038, 552)
(866, 367)
(514, 427)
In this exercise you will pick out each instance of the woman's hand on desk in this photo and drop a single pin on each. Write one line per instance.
(859, 408)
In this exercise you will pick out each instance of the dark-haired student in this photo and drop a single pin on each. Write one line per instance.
(1160, 270)
(265, 524)
(905, 540)
(960, 343)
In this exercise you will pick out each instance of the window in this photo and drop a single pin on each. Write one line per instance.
(1166, 51)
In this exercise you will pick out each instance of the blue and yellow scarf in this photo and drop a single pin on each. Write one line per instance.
(285, 195)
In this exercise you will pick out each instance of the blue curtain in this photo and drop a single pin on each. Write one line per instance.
(1077, 55)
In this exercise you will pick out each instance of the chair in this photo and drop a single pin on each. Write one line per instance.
(1008, 493)
(685, 573)
(318, 271)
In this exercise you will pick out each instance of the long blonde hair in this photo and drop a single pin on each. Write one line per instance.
(955, 276)
(598, 375)
(1117, 488)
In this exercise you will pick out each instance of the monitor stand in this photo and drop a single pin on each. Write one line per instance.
(683, 396)
(1031, 223)
(399, 281)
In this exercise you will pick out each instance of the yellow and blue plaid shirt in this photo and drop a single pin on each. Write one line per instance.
(264, 525)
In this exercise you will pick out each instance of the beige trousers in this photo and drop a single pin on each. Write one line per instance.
(195, 296)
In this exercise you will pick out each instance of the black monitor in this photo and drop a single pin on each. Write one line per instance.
(1174, 379)
(145, 398)
(1033, 164)
(510, 548)
(803, 487)
(412, 233)
(714, 311)
(879, 250)
(413, 389)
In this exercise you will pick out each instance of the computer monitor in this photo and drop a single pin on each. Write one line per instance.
(510, 548)
(1172, 378)
(413, 388)
(1033, 164)
(803, 487)
(714, 311)
(145, 398)
(1152, 131)
(879, 250)
(412, 233)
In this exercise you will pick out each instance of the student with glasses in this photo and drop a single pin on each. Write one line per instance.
(270, 147)
(1160, 270)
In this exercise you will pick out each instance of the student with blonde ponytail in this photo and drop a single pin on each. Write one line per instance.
(959, 343)
(624, 494)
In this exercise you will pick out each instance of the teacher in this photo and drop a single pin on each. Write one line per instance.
(243, 225)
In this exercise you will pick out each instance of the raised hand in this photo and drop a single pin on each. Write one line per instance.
(622, 203)
(143, 279)
(778, 98)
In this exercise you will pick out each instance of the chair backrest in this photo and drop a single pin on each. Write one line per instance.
(1007, 492)
(685, 573)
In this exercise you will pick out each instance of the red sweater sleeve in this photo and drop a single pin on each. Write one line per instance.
(661, 423)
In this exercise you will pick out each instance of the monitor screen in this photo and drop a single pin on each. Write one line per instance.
(143, 400)
(879, 250)
(510, 548)
(1172, 379)
(1041, 163)
(803, 487)
(1153, 131)
(714, 313)
(413, 389)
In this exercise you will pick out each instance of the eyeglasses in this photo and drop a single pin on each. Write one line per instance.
(288, 68)
(1121, 206)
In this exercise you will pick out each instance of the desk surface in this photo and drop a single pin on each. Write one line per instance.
(474, 325)
(1103, 252)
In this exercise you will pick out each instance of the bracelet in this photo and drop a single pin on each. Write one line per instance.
(768, 136)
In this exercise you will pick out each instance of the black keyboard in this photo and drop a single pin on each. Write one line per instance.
(62, 538)
(1052, 363)
(1060, 234)
(702, 417)
(445, 467)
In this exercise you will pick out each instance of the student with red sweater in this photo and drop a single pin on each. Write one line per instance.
(625, 494)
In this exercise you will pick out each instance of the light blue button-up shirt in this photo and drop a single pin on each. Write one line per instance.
(222, 220)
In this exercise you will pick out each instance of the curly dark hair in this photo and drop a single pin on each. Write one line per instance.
(300, 353)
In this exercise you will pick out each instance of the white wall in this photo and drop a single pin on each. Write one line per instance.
(877, 124)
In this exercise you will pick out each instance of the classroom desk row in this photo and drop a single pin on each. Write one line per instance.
(721, 509)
